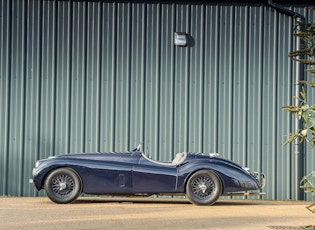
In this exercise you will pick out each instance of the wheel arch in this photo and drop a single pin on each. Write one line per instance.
(59, 167)
(208, 169)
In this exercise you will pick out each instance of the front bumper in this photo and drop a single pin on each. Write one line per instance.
(32, 182)
(35, 181)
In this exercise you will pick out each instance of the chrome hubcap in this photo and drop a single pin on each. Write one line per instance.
(62, 185)
(202, 187)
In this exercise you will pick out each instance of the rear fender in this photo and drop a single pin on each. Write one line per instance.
(233, 178)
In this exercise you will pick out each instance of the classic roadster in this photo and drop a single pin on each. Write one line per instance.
(203, 178)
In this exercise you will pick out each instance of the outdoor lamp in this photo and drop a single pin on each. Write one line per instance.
(180, 39)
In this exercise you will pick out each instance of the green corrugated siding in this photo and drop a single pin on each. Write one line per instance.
(90, 76)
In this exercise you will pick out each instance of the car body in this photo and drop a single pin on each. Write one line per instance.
(203, 178)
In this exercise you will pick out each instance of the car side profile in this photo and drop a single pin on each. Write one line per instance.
(202, 178)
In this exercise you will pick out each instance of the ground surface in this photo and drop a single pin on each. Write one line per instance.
(152, 213)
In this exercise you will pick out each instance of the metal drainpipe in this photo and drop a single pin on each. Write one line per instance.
(298, 148)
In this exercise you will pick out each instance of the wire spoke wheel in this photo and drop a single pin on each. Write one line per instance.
(63, 185)
(203, 188)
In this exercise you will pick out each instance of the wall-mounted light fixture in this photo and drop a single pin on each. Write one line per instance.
(180, 39)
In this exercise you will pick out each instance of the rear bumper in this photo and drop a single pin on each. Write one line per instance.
(261, 178)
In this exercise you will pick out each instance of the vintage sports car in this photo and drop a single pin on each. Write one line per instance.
(203, 178)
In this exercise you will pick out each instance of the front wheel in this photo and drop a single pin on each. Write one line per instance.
(63, 185)
(203, 188)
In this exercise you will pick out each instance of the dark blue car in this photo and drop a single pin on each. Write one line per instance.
(203, 178)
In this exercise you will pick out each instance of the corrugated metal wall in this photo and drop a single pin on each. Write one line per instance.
(89, 76)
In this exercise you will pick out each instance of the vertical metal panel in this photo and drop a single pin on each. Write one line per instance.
(152, 83)
(108, 56)
(122, 75)
(5, 44)
(284, 82)
(17, 96)
(89, 76)
(46, 139)
(79, 97)
(63, 76)
(31, 95)
(92, 84)
(167, 82)
(181, 75)
(254, 95)
(196, 79)
(269, 87)
(240, 84)
(211, 79)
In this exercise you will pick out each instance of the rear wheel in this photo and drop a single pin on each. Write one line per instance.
(63, 185)
(203, 188)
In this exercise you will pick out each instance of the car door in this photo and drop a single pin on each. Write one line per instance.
(150, 177)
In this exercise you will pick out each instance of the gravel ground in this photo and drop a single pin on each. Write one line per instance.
(152, 213)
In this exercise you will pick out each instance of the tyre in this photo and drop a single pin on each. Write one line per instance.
(63, 185)
(203, 188)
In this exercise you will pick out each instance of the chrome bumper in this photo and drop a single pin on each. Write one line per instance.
(261, 178)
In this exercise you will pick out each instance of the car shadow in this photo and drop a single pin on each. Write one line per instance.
(131, 200)
(176, 201)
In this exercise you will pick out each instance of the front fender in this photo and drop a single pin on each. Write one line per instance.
(43, 167)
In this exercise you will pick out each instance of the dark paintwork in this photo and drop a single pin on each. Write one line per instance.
(131, 173)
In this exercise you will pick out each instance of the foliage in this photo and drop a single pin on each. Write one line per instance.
(304, 110)
(308, 184)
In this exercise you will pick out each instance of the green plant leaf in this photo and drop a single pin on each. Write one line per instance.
(305, 116)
